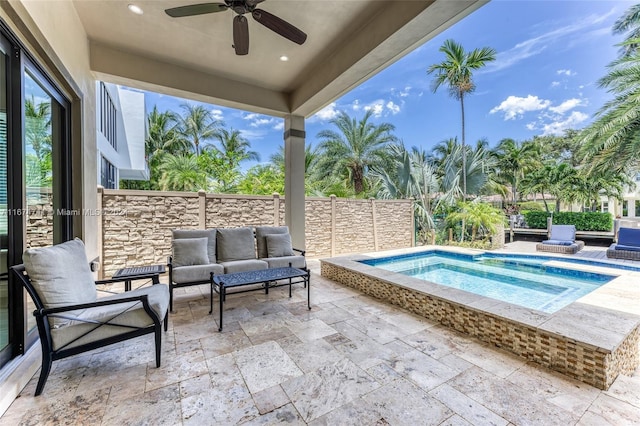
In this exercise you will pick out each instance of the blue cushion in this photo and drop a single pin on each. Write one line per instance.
(557, 242)
(627, 248)
(629, 237)
(563, 233)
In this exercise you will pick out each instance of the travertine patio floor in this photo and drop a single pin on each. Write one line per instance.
(350, 360)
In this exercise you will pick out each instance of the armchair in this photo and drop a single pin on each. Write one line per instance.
(70, 317)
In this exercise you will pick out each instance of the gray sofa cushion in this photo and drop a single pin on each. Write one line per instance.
(60, 274)
(235, 244)
(278, 245)
(261, 231)
(190, 274)
(131, 314)
(283, 262)
(244, 265)
(209, 234)
(190, 251)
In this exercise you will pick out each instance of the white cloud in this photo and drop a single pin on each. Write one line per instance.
(555, 83)
(557, 128)
(531, 126)
(405, 92)
(568, 73)
(261, 122)
(251, 116)
(279, 125)
(253, 134)
(394, 108)
(536, 45)
(327, 113)
(217, 114)
(566, 106)
(515, 106)
(355, 105)
(376, 107)
(258, 120)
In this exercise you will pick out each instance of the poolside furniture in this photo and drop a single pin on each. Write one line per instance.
(628, 245)
(199, 253)
(562, 240)
(272, 277)
(70, 316)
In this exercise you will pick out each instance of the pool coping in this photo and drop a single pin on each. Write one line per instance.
(602, 337)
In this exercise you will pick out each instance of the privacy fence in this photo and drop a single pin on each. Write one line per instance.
(136, 226)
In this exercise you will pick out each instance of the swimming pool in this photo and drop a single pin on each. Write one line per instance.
(522, 280)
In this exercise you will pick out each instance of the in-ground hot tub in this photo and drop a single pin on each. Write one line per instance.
(593, 339)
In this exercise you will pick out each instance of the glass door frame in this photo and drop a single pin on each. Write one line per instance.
(19, 61)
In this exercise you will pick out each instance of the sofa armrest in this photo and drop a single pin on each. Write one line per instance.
(141, 298)
(302, 252)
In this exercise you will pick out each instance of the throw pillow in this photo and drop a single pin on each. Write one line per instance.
(190, 251)
(235, 244)
(279, 245)
(60, 274)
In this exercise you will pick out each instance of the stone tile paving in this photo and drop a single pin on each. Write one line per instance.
(350, 360)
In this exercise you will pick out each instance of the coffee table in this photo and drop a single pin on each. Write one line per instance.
(269, 277)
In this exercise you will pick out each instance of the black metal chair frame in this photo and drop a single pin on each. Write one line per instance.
(43, 315)
(173, 285)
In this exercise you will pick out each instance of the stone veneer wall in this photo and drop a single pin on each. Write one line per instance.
(136, 225)
(39, 218)
(591, 365)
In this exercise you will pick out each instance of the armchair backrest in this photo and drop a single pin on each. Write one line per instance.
(59, 275)
(629, 236)
(209, 234)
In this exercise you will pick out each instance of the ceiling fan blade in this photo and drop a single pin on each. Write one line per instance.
(279, 26)
(253, 2)
(241, 35)
(196, 9)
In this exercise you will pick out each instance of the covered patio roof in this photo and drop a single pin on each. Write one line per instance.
(193, 57)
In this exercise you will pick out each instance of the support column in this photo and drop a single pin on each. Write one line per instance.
(294, 160)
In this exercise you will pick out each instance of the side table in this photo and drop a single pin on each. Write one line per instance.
(139, 273)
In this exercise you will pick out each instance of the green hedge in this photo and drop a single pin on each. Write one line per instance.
(588, 221)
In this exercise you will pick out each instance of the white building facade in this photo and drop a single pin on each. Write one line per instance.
(121, 126)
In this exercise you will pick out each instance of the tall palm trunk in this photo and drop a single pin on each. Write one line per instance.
(464, 152)
(358, 179)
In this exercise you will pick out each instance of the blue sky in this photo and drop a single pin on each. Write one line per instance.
(544, 80)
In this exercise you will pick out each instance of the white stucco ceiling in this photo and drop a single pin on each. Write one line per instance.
(348, 41)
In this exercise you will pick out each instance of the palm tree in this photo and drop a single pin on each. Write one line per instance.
(629, 22)
(311, 172)
(234, 148)
(38, 126)
(481, 216)
(456, 72)
(163, 135)
(513, 161)
(613, 140)
(355, 148)
(197, 125)
(181, 173)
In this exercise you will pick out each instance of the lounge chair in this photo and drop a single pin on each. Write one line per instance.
(628, 245)
(71, 318)
(562, 240)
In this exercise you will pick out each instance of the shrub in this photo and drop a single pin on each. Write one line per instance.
(531, 206)
(587, 221)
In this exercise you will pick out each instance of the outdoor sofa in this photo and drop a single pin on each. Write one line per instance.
(628, 245)
(197, 253)
(562, 240)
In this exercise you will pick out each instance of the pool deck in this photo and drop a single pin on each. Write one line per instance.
(351, 360)
(594, 339)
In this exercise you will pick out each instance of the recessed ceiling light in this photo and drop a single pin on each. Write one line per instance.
(135, 9)
(284, 58)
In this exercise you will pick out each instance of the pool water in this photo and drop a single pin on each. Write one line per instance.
(522, 280)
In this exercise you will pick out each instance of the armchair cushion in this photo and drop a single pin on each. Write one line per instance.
(190, 251)
(262, 231)
(557, 242)
(50, 269)
(235, 244)
(563, 233)
(196, 273)
(130, 314)
(209, 234)
(629, 237)
(278, 245)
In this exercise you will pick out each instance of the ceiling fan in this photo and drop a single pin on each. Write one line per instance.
(240, 23)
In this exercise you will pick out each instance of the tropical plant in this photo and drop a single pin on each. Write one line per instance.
(355, 148)
(483, 218)
(181, 173)
(513, 161)
(233, 148)
(222, 178)
(263, 179)
(477, 162)
(629, 23)
(197, 125)
(163, 136)
(38, 139)
(456, 72)
(311, 157)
